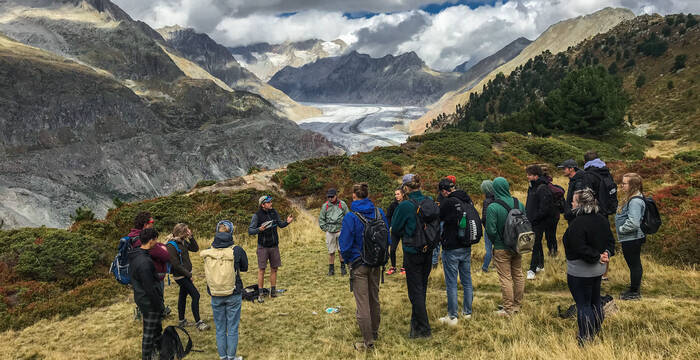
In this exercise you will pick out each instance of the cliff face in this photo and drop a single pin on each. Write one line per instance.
(106, 112)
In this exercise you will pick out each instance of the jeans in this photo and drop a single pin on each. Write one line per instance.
(488, 246)
(631, 250)
(589, 308)
(537, 259)
(227, 316)
(187, 288)
(417, 274)
(458, 261)
(436, 254)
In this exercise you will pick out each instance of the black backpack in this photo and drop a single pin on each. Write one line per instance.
(375, 240)
(606, 191)
(427, 234)
(473, 232)
(250, 293)
(169, 345)
(651, 220)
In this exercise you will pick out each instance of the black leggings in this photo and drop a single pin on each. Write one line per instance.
(632, 252)
(187, 288)
(392, 251)
(550, 232)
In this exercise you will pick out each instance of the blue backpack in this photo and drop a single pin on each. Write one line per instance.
(179, 254)
(120, 265)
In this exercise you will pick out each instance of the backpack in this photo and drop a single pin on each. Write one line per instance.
(427, 235)
(179, 254)
(250, 293)
(606, 193)
(375, 240)
(328, 203)
(558, 196)
(219, 270)
(169, 344)
(517, 232)
(120, 265)
(469, 230)
(651, 220)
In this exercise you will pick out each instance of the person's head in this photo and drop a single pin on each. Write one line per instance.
(545, 171)
(398, 194)
(265, 202)
(181, 230)
(446, 186)
(411, 182)
(569, 167)
(487, 187)
(533, 172)
(332, 195)
(148, 238)
(584, 202)
(143, 220)
(224, 226)
(590, 155)
(632, 183)
(360, 191)
(501, 188)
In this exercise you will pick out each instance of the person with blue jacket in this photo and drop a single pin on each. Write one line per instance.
(629, 232)
(364, 279)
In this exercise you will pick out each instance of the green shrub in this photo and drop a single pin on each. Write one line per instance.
(82, 214)
(204, 183)
(377, 180)
(641, 80)
(553, 151)
(459, 144)
(688, 156)
(653, 46)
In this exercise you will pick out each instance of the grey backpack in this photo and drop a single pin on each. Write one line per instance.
(517, 233)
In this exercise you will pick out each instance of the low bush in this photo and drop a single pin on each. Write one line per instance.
(204, 183)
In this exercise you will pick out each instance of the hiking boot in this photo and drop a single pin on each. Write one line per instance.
(499, 306)
(391, 271)
(502, 313)
(403, 271)
(343, 269)
(331, 269)
(273, 290)
(539, 269)
(530, 275)
(630, 295)
(185, 323)
(260, 299)
(201, 325)
(449, 320)
(361, 346)
(137, 314)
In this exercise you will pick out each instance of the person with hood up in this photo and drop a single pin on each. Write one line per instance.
(148, 294)
(223, 263)
(577, 181)
(508, 263)
(541, 213)
(364, 279)
(456, 254)
(487, 189)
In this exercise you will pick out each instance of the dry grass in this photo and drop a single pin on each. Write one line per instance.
(663, 325)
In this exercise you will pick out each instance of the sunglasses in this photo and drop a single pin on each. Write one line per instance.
(268, 198)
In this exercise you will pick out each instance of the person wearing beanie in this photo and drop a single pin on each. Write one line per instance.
(330, 220)
(487, 189)
(264, 224)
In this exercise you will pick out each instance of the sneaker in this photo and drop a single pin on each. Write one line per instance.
(201, 325)
(530, 275)
(403, 271)
(343, 270)
(238, 358)
(604, 278)
(502, 313)
(499, 306)
(391, 271)
(260, 299)
(361, 346)
(185, 323)
(137, 314)
(449, 320)
(630, 295)
(466, 316)
(539, 269)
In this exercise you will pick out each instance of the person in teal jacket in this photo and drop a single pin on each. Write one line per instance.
(508, 264)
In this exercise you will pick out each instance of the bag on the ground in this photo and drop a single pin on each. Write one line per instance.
(469, 230)
(651, 220)
(606, 193)
(427, 234)
(169, 344)
(517, 232)
(375, 240)
(219, 270)
(250, 293)
(609, 306)
(558, 196)
(120, 265)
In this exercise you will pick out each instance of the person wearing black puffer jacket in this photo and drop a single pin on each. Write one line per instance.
(588, 243)
(541, 213)
(577, 181)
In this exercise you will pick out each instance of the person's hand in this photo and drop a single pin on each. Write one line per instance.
(189, 232)
(604, 258)
(262, 228)
(290, 218)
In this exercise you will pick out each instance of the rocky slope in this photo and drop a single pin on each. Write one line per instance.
(471, 75)
(106, 112)
(359, 78)
(556, 38)
(265, 60)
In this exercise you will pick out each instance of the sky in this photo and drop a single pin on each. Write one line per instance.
(443, 34)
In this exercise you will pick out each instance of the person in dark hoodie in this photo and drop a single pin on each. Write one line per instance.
(418, 261)
(550, 230)
(148, 295)
(265, 223)
(577, 181)
(364, 279)
(541, 213)
(588, 243)
(487, 189)
(226, 296)
(508, 263)
(179, 247)
(456, 254)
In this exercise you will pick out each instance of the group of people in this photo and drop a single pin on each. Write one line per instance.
(588, 244)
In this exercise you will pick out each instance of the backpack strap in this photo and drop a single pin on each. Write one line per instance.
(177, 248)
(359, 216)
(503, 203)
(516, 204)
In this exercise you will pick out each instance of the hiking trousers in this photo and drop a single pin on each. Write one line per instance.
(152, 329)
(392, 250)
(417, 273)
(365, 287)
(510, 276)
(589, 308)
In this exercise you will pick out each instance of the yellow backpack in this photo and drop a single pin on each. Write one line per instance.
(219, 270)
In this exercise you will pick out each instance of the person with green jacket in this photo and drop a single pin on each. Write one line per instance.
(330, 221)
(508, 264)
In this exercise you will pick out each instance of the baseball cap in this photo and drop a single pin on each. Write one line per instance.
(446, 184)
(264, 199)
(571, 163)
(331, 192)
(452, 178)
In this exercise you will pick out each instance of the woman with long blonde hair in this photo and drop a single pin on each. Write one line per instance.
(629, 232)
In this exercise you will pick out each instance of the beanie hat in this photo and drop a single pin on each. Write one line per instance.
(263, 199)
(228, 223)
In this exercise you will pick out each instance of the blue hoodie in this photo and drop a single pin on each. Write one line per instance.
(350, 240)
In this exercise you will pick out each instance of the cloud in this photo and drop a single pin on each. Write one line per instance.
(443, 40)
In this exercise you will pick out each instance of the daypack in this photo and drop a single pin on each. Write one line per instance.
(179, 255)
(120, 265)
(250, 293)
(219, 270)
(469, 230)
(427, 234)
(558, 196)
(606, 193)
(375, 240)
(517, 232)
(651, 220)
(169, 344)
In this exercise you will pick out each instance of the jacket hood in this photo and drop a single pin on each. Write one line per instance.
(363, 206)
(222, 240)
(134, 232)
(595, 163)
(501, 188)
(487, 187)
(578, 176)
(135, 252)
(228, 224)
(460, 194)
(541, 180)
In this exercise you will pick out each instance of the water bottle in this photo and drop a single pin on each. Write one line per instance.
(462, 229)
